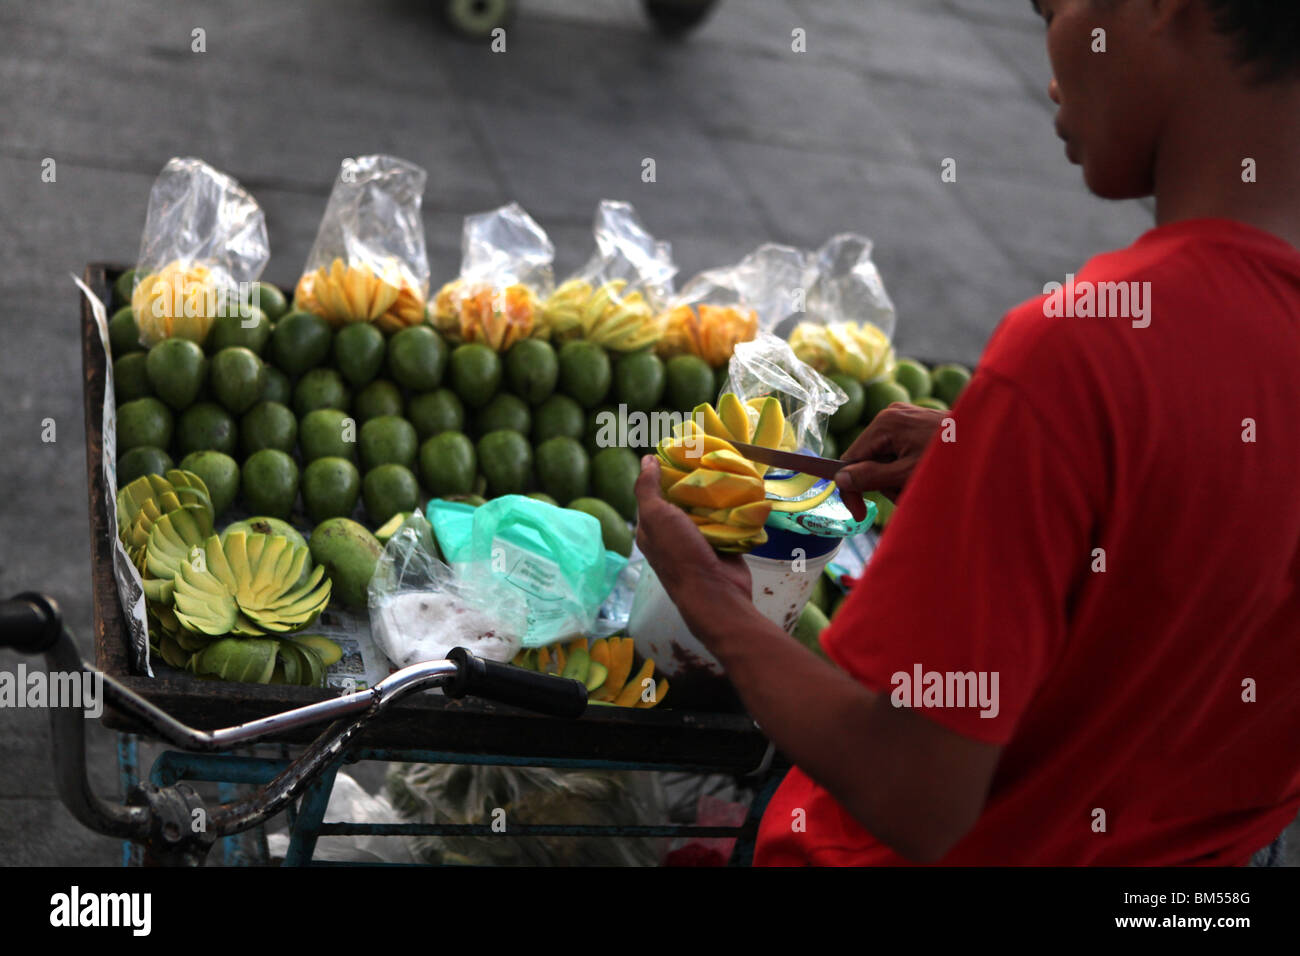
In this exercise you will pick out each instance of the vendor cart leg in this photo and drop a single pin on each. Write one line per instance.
(128, 775)
(311, 814)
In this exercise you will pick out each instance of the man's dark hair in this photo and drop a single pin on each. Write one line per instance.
(1266, 34)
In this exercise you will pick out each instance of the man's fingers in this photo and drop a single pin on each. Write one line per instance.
(877, 440)
(863, 476)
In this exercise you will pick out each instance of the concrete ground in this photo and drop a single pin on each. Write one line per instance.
(753, 142)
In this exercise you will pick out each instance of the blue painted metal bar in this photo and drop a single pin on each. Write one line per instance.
(128, 775)
(311, 814)
(173, 766)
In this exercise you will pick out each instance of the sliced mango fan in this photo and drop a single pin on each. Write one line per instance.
(724, 493)
(602, 314)
(346, 293)
(491, 316)
(217, 608)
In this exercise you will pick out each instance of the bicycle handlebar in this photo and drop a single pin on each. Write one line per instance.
(543, 693)
(30, 622)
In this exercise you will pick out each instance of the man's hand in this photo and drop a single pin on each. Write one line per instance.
(885, 453)
(689, 569)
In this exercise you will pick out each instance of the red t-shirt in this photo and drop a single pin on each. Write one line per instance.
(1172, 453)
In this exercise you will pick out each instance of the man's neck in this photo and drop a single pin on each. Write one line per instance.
(1234, 154)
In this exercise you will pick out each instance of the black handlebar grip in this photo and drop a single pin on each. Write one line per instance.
(543, 693)
(30, 622)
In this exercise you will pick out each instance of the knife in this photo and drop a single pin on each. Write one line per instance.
(789, 461)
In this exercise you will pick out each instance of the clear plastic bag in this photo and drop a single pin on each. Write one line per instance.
(720, 308)
(850, 318)
(514, 796)
(203, 246)
(420, 608)
(768, 366)
(618, 297)
(368, 263)
(506, 272)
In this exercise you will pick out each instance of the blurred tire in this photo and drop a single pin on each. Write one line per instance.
(477, 18)
(676, 18)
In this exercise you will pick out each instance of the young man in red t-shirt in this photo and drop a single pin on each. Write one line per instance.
(1099, 550)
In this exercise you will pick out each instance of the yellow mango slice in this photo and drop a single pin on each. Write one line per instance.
(631, 692)
(734, 416)
(771, 424)
(754, 514)
(732, 462)
(669, 476)
(706, 418)
(620, 653)
(685, 454)
(726, 533)
(600, 652)
(789, 487)
(715, 489)
(661, 689)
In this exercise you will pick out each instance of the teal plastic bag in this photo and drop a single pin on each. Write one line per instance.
(553, 556)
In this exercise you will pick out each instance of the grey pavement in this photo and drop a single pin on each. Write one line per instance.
(753, 142)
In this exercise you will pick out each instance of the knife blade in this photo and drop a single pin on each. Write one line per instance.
(788, 460)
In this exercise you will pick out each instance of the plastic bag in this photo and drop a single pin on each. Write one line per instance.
(368, 263)
(350, 803)
(618, 297)
(483, 795)
(850, 318)
(505, 274)
(204, 244)
(768, 366)
(420, 608)
(720, 308)
(553, 557)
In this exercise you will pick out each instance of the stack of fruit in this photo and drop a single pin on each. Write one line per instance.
(287, 417)
(497, 318)
(602, 315)
(604, 666)
(711, 332)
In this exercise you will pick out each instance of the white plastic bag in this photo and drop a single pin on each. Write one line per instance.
(618, 297)
(506, 273)
(203, 246)
(368, 263)
(420, 608)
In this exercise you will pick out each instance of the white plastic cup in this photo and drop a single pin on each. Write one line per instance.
(781, 588)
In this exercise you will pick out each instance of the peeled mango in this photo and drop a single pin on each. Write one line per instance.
(859, 350)
(495, 317)
(602, 315)
(346, 293)
(710, 331)
(177, 301)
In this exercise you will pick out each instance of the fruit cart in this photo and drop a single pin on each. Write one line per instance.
(416, 728)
